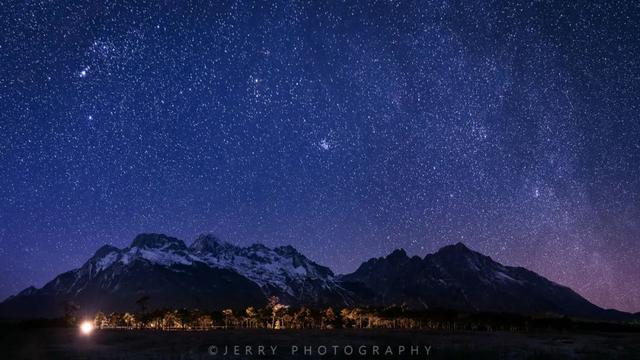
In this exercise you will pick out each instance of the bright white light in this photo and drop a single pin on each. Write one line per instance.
(324, 144)
(84, 71)
(86, 327)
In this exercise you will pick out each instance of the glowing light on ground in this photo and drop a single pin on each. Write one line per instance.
(86, 327)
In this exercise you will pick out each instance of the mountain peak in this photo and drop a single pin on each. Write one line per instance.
(397, 254)
(459, 251)
(209, 243)
(104, 250)
(156, 241)
(286, 250)
(456, 248)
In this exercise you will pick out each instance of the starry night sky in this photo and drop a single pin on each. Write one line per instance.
(346, 129)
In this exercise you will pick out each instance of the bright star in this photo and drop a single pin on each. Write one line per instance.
(324, 144)
(84, 72)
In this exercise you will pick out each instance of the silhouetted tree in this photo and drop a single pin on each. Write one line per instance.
(100, 320)
(70, 310)
(228, 317)
(204, 322)
(302, 318)
(277, 310)
(328, 319)
(170, 320)
(252, 314)
(128, 320)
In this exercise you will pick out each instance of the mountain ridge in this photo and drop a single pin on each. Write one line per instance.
(211, 273)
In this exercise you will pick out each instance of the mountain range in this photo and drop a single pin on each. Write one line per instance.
(214, 274)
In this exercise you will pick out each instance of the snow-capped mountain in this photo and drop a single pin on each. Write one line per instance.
(214, 274)
(281, 271)
(210, 273)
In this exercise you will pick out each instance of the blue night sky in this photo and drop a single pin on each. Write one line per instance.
(346, 129)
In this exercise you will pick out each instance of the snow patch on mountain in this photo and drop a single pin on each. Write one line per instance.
(280, 267)
(501, 276)
(106, 261)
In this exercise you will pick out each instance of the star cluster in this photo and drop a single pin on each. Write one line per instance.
(346, 129)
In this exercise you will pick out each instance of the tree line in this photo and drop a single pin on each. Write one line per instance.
(276, 315)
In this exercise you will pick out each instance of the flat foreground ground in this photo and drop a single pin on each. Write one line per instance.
(56, 343)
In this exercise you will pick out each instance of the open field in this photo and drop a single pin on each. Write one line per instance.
(117, 344)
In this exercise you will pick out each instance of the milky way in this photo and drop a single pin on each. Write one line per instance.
(344, 129)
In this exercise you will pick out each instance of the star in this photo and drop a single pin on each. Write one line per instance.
(84, 72)
(324, 144)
